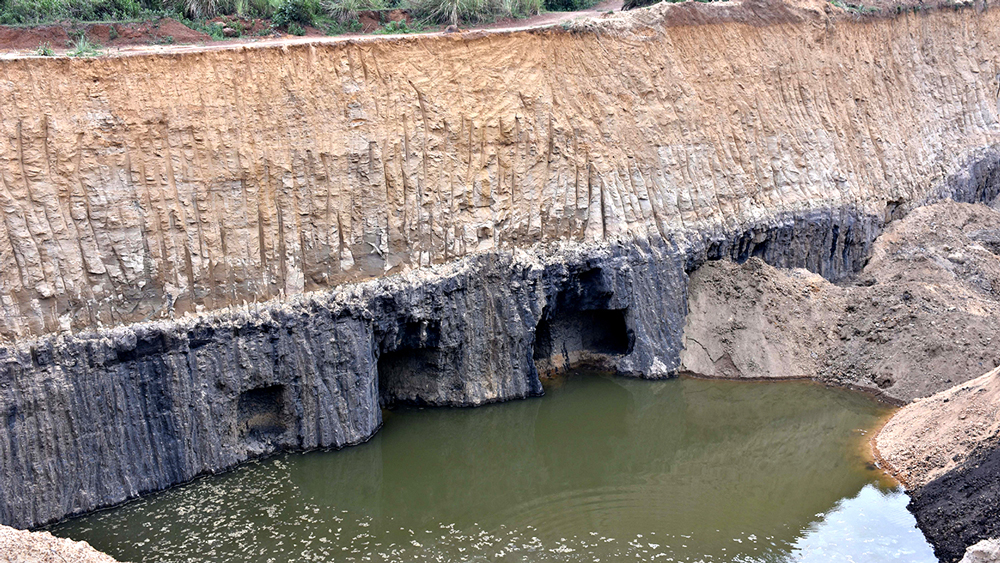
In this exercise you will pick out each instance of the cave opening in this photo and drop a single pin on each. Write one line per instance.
(582, 326)
(261, 412)
(411, 365)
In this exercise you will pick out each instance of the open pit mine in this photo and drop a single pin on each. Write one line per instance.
(214, 255)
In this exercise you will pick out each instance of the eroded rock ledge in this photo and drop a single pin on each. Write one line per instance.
(96, 418)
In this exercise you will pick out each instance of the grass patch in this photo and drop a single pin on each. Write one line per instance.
(45, 50)
(855, 8)
(84, 48)
(454, 12)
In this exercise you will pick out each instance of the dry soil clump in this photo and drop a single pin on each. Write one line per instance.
(21, 546)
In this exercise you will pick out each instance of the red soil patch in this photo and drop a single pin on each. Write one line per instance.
(59, 36)
(33, 37)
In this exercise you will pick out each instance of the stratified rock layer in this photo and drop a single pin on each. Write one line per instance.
(140, 187)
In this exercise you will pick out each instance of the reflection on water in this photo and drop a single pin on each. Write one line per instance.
(872, 526)
(601, 469)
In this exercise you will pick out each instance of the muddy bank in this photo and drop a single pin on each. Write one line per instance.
(946, 448)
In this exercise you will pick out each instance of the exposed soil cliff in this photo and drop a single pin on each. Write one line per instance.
(139, 187)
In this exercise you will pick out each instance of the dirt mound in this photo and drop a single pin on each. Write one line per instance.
(25, 38)
(932, 436)
(920, 318)
(20, 546)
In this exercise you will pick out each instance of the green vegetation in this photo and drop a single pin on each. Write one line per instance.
(455, 12)
(44, 50)
(292, 16)
(84, 48)
(569, 5)
(855, 8)
(14, 12)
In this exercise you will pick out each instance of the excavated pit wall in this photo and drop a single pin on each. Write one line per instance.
(97, 418)
(142, 187)
(145, 186)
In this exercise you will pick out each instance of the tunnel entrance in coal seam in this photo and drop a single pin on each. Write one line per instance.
(411, 365)
(581, 326)
(261, 412)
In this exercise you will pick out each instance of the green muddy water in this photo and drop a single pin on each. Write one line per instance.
(600, 469)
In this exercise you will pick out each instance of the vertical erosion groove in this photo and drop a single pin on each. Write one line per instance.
(367, 164)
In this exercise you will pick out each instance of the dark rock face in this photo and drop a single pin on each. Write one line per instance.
(961, 507)
(95, 419)
(979, 182)
(832, 243)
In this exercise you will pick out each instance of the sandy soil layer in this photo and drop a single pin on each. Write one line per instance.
(20, 546)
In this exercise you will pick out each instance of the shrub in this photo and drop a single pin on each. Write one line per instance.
(573, 5)
(84, 48)
(45, 50)
(301, 12)
(523, 8)
(263, 8)
(472, 11)
(41, 11)
(296, 29)
(344, 11)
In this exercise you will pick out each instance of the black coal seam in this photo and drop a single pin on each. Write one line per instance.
(961, 507)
